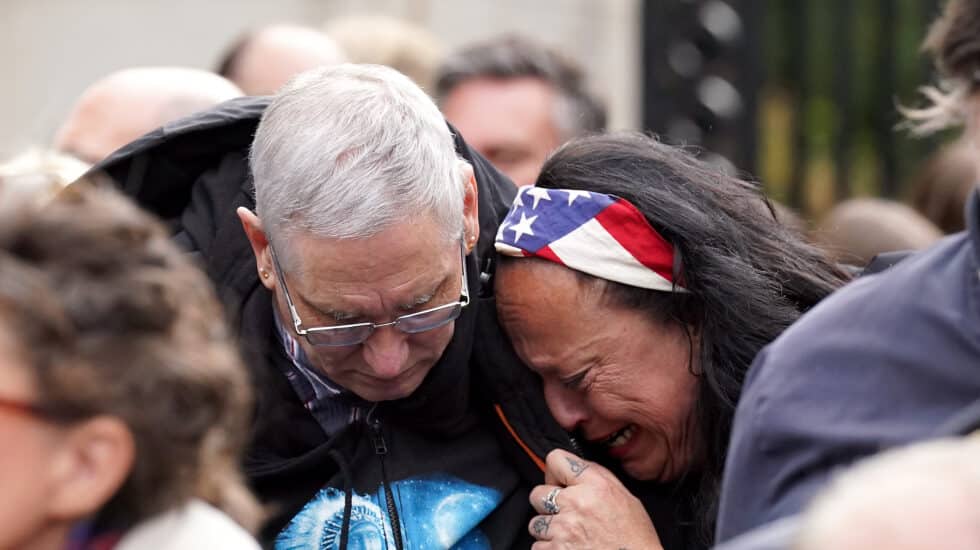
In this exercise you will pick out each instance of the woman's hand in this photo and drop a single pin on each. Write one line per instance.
(594, 510)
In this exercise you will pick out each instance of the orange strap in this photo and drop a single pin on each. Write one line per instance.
(537, 460)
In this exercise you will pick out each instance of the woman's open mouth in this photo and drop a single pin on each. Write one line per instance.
(619, 438)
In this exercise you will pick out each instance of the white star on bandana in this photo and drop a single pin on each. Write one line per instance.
(539, 194)
(523, 227)
(574, 194)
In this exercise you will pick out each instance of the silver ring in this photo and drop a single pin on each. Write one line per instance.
(548, 502)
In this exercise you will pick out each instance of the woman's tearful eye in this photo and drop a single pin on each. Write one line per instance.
(575, 382)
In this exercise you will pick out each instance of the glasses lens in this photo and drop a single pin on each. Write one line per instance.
(339, 336)
(428, 320)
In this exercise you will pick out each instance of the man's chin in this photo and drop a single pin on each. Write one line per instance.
(387, 391)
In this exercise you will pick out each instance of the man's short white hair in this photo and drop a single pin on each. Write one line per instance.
(349, 150)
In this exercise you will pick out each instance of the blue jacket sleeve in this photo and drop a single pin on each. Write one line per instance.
(885, 361)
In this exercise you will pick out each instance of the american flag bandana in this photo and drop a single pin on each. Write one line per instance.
(602, 235)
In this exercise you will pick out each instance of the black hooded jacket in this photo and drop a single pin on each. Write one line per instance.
(452, 462)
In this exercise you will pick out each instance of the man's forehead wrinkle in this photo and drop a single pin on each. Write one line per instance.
(372, 277)
(359, 297)
(427, 296)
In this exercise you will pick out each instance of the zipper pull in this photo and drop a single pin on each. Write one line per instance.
(380, 447)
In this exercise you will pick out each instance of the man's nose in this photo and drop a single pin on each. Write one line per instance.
(386, 352)
(566, 405)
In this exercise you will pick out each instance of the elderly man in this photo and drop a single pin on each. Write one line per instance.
(515, 101)
(356, 277)
(261, 61)
(129, 103)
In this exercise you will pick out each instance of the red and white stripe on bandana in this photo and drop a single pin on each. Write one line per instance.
(602, 235)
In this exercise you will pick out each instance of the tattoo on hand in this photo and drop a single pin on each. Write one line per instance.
(540, 526)
(577, 466)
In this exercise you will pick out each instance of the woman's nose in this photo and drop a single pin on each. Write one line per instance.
(566, 405)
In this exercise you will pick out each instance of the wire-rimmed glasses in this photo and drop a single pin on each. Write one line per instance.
(356, 333)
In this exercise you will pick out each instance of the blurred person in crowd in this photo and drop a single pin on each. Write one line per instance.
(261, 61)
(639, 283)
(34, 177)
(857, 230)
(384, 40)
(943, 186)
(129, 103)
(348, 241)
(515, 101)
(918, 497)
(915, 497)
(789, 217)
(882, 362)
(123, 402)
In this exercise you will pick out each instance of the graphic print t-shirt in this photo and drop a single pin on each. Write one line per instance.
(434, 511)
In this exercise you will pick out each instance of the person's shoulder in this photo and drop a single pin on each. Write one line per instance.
(883, 361)
(236, 117)
(161, 170)
(915, 317)
(196, 525)
(889, 303)
(776, 535)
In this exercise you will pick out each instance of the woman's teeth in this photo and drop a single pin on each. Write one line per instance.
(620, 437)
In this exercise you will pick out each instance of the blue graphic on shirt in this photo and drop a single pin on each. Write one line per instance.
(435, 512)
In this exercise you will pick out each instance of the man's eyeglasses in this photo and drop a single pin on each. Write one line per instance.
(356, 333)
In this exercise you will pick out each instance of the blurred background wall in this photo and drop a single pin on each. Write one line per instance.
(52, 49)
(800, 95)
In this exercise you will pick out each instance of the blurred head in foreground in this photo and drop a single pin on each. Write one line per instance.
(121, 395)
(34, 177)
(953, 42)
(922, 496)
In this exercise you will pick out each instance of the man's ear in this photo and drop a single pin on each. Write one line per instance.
(471, 208)
(94, 460)
(260, 245)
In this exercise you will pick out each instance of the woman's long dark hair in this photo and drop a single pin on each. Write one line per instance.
(749, 276)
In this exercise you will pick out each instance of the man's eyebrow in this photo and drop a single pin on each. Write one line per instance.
(423, 299)
(340, 315)
(328, 311)
(337, 315)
